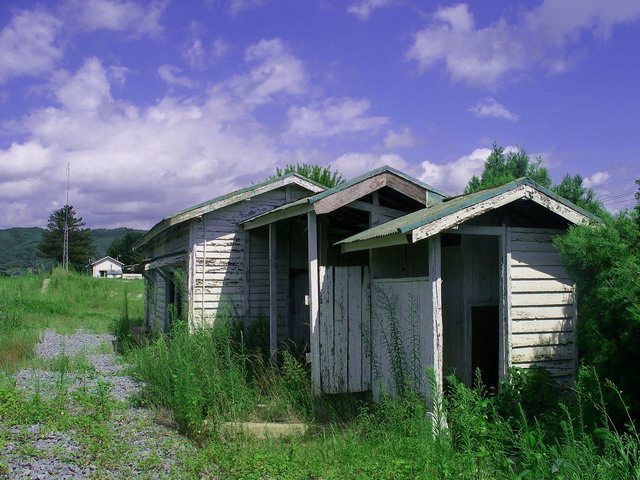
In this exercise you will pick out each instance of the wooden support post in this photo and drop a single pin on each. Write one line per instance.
(505, 305)
(435, 275)
(273, 293)
(314, 297)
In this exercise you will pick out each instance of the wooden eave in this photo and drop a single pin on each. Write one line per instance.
(226, 200)
(346, 195)
(450, 214)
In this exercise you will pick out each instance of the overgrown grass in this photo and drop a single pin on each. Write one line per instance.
(70, 302)
(530, 430)
(206, 378)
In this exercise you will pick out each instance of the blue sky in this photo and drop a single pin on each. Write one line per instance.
(159, 105)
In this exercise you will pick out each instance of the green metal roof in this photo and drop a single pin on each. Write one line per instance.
(241, 191)
(343, 186)
(411, 221)
(166, 221)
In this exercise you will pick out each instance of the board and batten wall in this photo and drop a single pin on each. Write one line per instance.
(542, 304)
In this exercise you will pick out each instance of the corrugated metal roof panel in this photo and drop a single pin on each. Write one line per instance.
(345, 185)
(450, 206)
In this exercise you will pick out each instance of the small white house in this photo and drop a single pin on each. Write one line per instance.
(106, 267)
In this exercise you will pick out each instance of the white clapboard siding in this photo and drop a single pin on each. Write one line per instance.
(401, 333)
(543, 312)
(344, 325)
(221, 270)
(551, 286)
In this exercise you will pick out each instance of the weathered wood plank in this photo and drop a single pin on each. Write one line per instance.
(550, 286)
(541, 299)
(556, 369)
(348, 195)
(273, 292)
(525, 246)
(325, 319)
(544, 325)
(340, 328)
(314, 294)
(435, 275)
(536, 339)
(537, 236)
(354, 341)
(542, 353)
(542, 273)
(541, 312)
(536, 258)
(365, 328)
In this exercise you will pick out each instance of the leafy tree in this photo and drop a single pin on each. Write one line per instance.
(322, 175)
(572, 189)
(500, 168)
(120, 248)
(604, 261)
(81, 245)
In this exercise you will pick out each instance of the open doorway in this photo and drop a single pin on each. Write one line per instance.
(470, 307)
(485, 338)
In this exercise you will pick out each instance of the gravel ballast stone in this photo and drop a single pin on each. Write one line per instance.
(150, 450)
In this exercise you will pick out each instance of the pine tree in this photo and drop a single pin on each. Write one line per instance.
(572, 189)
(81, 245)
(500, 168)
(322, 175)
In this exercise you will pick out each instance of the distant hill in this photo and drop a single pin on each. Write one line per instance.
(18, 247)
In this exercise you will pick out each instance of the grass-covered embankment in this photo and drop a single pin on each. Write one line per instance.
(70, 301)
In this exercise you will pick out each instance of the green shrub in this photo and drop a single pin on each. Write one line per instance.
(604, 261)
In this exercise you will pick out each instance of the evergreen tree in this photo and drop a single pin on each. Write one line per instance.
(121, 250)
(500, 168)
(322, 175)
(572, 189)
(81, 245)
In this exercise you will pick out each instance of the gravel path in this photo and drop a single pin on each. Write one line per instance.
(129, 444)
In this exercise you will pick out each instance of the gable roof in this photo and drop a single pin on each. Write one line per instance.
(320, 202)
(456, 210)
(106, 258)
(226, 200)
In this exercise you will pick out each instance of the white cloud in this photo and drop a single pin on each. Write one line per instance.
(276, 71)
(354, 164)
(237, 6)
(332, 117)
(200, 57)
(87, 90)
(403, 138)
(219, 48)
(452, 177)
(138, 17)
(195, 54)
(596, 180)
(21, 160)
(538, 37)
(145, 162)
(490, 107)
(364, 8)
(171, 75)
(29, 45)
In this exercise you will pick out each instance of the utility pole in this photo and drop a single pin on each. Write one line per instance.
(65, 246)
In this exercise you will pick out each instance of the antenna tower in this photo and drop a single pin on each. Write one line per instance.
(65, 246)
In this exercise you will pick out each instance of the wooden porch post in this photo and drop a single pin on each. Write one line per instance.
(273, 293)
(314, 297)
(435, 275)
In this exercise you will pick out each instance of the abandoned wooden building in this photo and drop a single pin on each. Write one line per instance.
(379, 279)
